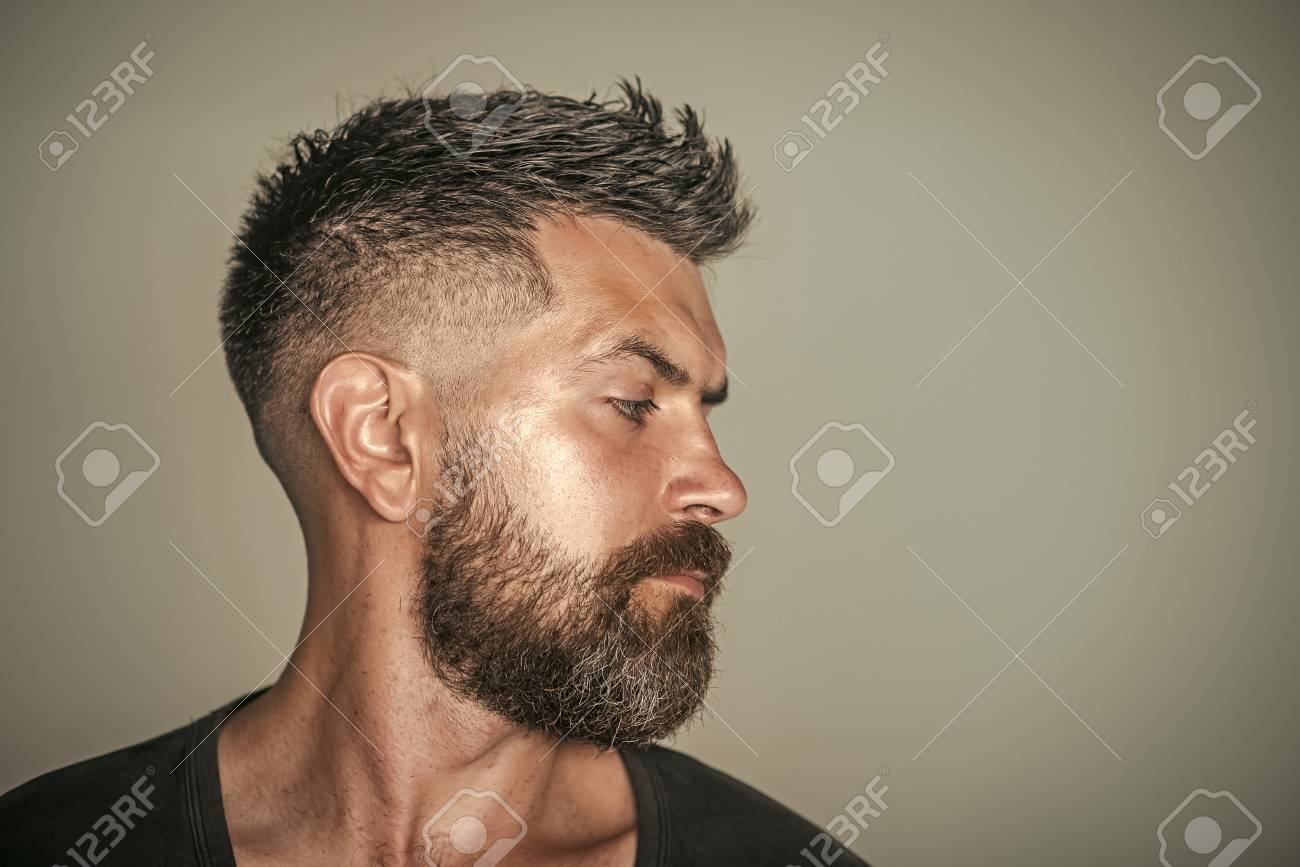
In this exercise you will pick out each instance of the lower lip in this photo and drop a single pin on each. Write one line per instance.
(685, 582)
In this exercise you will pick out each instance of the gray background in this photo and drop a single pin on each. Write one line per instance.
(1022, 465)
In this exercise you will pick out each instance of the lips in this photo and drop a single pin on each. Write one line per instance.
(692, 583)
(687, 554)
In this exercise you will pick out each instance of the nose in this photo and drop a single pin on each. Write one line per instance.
(703, 488)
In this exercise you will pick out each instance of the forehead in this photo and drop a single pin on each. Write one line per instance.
(604, 271)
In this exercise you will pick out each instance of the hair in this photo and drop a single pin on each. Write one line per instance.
(407, 231)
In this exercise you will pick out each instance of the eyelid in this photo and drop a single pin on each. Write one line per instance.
(635, 411)
(630, 388)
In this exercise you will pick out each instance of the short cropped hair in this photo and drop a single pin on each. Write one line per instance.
(383, 236)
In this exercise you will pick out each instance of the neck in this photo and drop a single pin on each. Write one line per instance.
(359, 745)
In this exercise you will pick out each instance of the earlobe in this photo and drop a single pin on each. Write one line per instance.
(370, 412)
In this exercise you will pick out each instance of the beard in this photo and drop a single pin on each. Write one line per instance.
(561, 644)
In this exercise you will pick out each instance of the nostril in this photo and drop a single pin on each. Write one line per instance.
(706, 511)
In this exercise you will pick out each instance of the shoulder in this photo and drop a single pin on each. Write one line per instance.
(710, 817)
(95, 806)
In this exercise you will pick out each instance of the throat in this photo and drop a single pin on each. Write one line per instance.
(300, 788)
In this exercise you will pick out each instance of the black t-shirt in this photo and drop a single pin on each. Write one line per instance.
(159, 803)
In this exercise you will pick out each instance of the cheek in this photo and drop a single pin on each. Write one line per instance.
(588, 486)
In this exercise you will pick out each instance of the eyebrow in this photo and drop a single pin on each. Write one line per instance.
(639, 346)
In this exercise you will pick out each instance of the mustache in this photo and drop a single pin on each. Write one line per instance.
(681, 547)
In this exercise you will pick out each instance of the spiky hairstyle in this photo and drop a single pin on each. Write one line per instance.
(409, 225)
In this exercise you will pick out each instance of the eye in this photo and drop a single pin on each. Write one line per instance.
(636, 411)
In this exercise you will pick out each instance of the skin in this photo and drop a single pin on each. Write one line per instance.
(357, 745)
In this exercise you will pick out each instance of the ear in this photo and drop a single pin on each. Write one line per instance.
(380, 423)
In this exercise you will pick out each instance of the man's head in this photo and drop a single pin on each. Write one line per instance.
(501, 360)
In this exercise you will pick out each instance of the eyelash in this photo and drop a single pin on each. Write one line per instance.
(635, 411)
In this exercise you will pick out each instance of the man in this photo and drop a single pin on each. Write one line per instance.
(480, 357)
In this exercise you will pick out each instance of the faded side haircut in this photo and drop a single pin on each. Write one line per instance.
(380, 236)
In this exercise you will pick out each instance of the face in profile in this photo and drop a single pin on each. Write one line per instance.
(570, 586)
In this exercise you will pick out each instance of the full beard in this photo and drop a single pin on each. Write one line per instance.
(557, 644)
